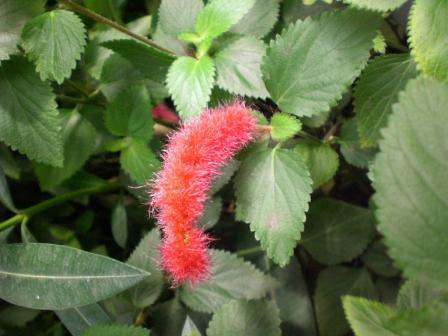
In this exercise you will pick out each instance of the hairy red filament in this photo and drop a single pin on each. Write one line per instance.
(192, 158)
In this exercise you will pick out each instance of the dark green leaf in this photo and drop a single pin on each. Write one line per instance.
(376, 259)
(5, 195)
(78, 319)
(116, 330)
(376, 5)
(119, 223)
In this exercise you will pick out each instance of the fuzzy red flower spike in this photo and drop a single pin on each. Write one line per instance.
(192, 158)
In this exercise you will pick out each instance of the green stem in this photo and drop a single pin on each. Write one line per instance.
(249, 251)
(25, 214)
(101, 19)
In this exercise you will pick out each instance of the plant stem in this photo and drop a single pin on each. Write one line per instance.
(101, 19)
(40, 207)
(249, 251)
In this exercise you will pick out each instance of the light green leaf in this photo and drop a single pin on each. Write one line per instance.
(129, 114)
(190, 83)
(268, 182)
(54, 41)
(13, 16)
(376, 259)
(409, 176)
(284, 126)
(313, 81)
(321, 160)
(224, 176)
(260, 19)
(376, 5)
(28, 117)
(218, 16)
(377, 90)
(252, 318)
(232, 278)
(238, 67)
(211, 213)
(5, 195)
(8, 163)
(79, 138)
(428, 35)
(151, 62)
(415, 295)
(116, 330)
(332, 284)
(45, 276)
(190, 328)
(78, 319)
(178, 16)
(146, 256)
(336, 231)
(119, 223)
(138, 161)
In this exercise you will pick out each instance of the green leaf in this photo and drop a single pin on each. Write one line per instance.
(146, 256)
(78, 319)
(351, 146)
(107, 8)
(321, 160)
(376, 259)
(119, 223)
(284, 126)
(314, 81)
(190, 328)
(54, 41)
(224, 176)
(13, 16)
(211, 213)
(176, 16)
(377, 90)
(28, 117)
(4, 234)
(116, 330)
(415, 295)
(218, 16)
(238, 67)
(45, 276)
(168, 318)
(333, 283)
(5, 195)
(151, 62)
(129, 114)
(409, 176)
(251, 318)
(232, 278)
(79, 138)
(337, 232)
(428, 33)
(8, 163)
(376, 5)
(260, 19)
(190, 83)
(268, 182)
(14, 316)
(138, 161)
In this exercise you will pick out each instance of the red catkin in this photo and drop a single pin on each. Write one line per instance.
(192, 158)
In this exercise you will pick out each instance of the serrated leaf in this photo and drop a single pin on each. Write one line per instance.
(376, 259)
(54, 41)
(139, 161)
(178, 16)
(321, 160)
(376, 5)
(119, 223)
(336, 231)
(218, 16)
(45, 276)
(232, 278)
(78, 319)
(238, 67)
(190, 83)
(268, 182)
(151, 62)
(324, 55)
(129, 114)
(333, 283)
(146, 256)
(284, 126)
(415, 295)
(79, 138)
(190, 328)
(116, 330)
(409, 176)
(252, 318)
(28, 116)
(428, 33)
(260, 19)
(13, 16)
(377, 90)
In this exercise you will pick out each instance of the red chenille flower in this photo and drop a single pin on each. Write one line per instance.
(192, 158)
